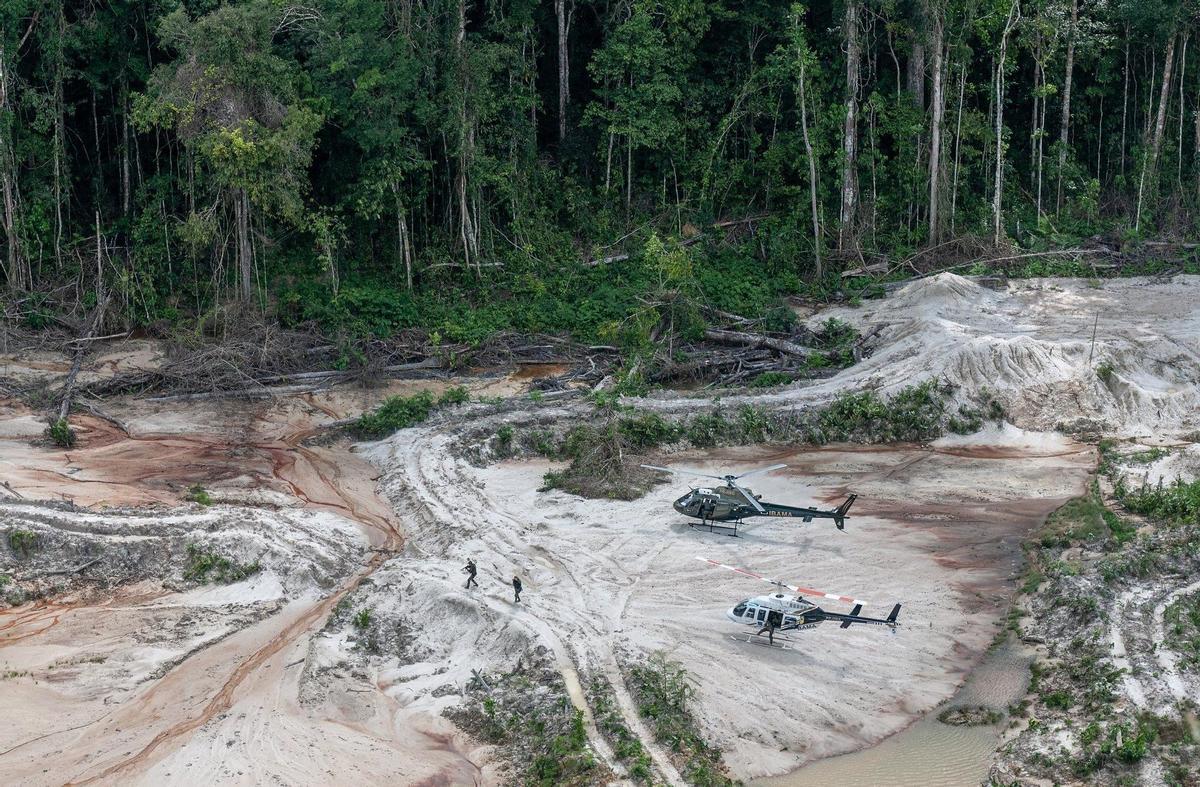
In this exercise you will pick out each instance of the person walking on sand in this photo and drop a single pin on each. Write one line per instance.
(471, 572)
(516, 589)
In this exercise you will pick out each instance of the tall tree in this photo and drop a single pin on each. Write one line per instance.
(935, 14)
(1150, 159)
(1010, 22)
(846, 227)
(231, 98)
(1064, 125)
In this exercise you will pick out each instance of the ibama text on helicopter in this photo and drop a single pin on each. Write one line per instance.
(732, 502)
(779, 612)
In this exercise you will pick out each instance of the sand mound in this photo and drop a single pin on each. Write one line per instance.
(1119, 356)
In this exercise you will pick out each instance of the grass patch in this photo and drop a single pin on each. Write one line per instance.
(1182, 621)
(204, 566)
(1085, 519)
(1147, 456)
(626, 745)
(663, 692)
(528, 714)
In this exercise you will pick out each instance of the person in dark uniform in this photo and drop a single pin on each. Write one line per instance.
(516, 589)
(774, 621)
(471, 572)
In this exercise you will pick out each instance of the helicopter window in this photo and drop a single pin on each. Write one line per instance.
(789, 621)
(739, 610)
(762, 613)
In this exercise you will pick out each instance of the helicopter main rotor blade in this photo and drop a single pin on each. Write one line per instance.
(684, 471)
(760, 470)
(793, 588)
(749, 497)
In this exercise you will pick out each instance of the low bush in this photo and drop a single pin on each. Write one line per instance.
(21, 540)
(61, 433)
(204, 566)
(198, 494)
(397, 412)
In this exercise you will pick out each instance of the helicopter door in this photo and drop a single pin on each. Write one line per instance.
(762, 614)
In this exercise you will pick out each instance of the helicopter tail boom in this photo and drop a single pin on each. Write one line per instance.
(854, 617)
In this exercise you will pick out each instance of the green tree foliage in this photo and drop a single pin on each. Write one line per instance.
(383, 164)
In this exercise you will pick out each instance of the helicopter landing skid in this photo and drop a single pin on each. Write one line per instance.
(715, 527)
(782, 643)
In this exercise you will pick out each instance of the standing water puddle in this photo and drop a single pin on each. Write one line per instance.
(930, 753)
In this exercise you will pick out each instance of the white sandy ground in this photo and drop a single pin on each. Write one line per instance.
(241, 685)
(938, 530)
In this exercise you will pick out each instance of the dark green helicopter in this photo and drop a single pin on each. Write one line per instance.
(733, 502)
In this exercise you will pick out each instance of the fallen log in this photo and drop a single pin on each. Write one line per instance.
(756, 340)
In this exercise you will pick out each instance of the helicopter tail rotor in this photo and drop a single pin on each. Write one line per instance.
(839, 513)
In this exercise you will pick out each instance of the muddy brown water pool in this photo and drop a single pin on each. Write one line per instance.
(930, 753)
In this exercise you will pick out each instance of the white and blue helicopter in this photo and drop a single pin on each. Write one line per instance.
(781, 612)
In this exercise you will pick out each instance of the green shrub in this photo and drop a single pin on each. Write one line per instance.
(1060, 700)
(1179, 501)
(62, 434)
(204, 566)
(770, 379)
(707, 429)
(198, 494)
(663, 693)
(22, 541)
(1182, 623)
(362, 618)
(503, 441)
(912, 414)
(398, 412)
(454, 395)
(753, 424)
